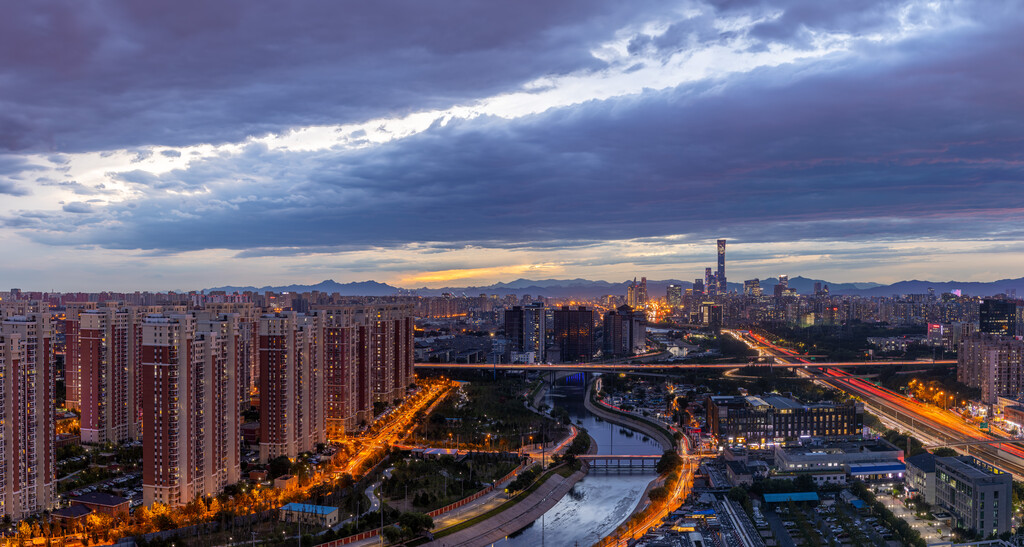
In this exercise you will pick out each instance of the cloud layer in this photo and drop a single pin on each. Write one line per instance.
(585, 139)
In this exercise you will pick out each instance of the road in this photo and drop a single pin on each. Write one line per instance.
(928, 423)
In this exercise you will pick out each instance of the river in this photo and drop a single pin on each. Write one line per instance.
(603, 499)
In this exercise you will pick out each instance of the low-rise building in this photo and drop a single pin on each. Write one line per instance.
(738, 473)
(310, 514)
(978, 495)
(106, 504)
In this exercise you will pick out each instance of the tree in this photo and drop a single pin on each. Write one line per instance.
(669, 460)
(417, 523)
(658, 494)
(944, 452)
(278, 466)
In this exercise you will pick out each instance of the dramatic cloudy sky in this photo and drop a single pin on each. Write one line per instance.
(188, 144)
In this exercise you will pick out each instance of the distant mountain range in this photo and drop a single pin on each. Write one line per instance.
(585, 288)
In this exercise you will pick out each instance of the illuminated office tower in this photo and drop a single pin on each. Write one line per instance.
(574, 333)
(291, 385)
(674, 296)
(997, 317)
(752, 287)
(722, 287)
(710, 283)
(26, 413)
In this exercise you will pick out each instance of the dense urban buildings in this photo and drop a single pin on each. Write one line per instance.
(993, 363)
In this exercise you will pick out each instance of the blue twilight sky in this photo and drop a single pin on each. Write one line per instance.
(188, 144)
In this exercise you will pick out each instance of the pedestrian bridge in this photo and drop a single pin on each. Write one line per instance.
(620, 460)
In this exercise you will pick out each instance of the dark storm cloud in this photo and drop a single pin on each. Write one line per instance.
(920, 140)
(120, 74)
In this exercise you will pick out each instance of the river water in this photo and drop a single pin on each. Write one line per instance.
(603, 499)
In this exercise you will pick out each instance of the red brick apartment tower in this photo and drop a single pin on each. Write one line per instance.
(168, 439)
(291, 385)
(138, 395)
(219, 416)
(347, 395)
(26, 413)
(248, 358)
(72, 365)
(391, 350)
(190, 415)
(101, 346)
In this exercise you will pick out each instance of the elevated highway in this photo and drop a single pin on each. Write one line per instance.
(639, 367)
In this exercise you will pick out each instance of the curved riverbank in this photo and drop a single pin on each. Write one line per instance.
(659, 434)
(515, 518)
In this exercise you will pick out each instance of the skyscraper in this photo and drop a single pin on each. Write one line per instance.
(574, 334)
(710, 283)
(997, 317)
(674, 296)
(636, 293)
(722, 288)
(26, 413)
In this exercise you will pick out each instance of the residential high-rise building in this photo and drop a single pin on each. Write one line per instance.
(722, 287)
(368, 356)
(574, 334)
(27, 475)
(72, 364)
(391, 350)
(190, 416)
(625, 332)
(102, 349)
(526, 329)
(997, 317)
(992, 363)
(674, 296)
(348, 393)
(248, 356)
(291, 385)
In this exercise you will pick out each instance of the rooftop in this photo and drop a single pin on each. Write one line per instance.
(924, 461)
(790, 496)
(99, 498)
(311, 509)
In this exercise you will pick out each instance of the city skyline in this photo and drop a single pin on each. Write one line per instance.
(205, 145)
